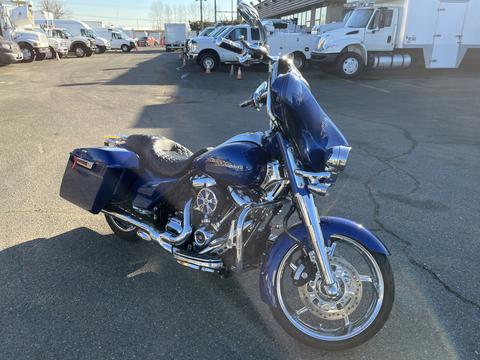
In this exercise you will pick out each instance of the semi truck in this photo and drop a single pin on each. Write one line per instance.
(398, 33)
(15, 17)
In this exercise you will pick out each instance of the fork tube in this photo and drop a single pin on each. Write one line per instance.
(309, 214)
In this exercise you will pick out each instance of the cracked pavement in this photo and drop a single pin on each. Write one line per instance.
(69, 289)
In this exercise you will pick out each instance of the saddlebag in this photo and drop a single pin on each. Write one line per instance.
(95, 177)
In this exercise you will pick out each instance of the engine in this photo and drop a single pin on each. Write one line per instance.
(210, 208)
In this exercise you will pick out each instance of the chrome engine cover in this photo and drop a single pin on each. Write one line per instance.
(206, 201)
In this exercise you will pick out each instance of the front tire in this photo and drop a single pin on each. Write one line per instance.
(125, 48)
(51, 53)
(121, 229)
(335, 324)
(28, 53)
(299, 60)
(80, 50)
(349, 65)
(209, 60)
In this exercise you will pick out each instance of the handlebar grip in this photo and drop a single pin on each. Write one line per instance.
(230, 45)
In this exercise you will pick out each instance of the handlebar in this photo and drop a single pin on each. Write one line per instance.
(230, 46)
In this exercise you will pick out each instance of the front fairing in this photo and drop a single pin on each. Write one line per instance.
(303, 121)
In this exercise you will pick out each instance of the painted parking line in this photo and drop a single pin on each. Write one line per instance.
(368, 86)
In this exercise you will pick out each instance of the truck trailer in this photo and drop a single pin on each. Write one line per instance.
(435, 34)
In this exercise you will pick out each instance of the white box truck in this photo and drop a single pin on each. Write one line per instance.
(79, 28)
(395, 33)
(175, 36)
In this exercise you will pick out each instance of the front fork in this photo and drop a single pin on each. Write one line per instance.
(309, 214)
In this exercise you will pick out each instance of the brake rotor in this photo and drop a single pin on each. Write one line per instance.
(346, 302)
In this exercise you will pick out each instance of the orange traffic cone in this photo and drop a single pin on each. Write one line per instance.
(208, 71)
(232, 70)
(239, 73)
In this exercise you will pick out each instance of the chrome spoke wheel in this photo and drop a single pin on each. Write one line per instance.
(332, 318)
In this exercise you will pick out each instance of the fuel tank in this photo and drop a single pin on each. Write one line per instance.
(241, 164)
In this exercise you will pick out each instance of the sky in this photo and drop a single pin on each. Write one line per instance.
(130, 13)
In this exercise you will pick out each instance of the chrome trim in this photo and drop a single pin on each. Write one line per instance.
(240, 200)
(309, 213)
(183, 257)
(203, 181)
(313, 176)
(338, 159)
(164, 239)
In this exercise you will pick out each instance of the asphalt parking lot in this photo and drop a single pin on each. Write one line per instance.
(69, 289)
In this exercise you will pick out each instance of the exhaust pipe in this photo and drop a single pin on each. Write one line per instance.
(165, 239)
(169, 241)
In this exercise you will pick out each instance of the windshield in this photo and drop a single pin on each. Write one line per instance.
(88, 33)
(217, 31)
(206, 31)
(359, 18)
(347, 16)
(69, 34)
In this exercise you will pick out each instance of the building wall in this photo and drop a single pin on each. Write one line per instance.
(308, 12)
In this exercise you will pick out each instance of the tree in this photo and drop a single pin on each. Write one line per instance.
(57, 7)
(156, 14)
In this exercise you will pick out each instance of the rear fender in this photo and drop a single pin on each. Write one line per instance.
(330, 226)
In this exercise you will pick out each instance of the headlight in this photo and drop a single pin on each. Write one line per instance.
(7, 46)
(338, 159)
(321, 43)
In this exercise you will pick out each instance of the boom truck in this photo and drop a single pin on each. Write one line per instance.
(15, 18)
(398, 33)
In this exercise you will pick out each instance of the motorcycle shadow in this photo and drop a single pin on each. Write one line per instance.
(84, 295)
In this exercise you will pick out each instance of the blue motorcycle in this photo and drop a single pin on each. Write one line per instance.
(327, 280)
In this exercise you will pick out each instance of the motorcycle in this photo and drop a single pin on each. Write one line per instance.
(327, 280)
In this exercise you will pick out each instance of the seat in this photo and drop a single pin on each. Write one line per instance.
(162, 156)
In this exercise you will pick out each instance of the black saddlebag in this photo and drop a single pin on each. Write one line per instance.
(95, 177)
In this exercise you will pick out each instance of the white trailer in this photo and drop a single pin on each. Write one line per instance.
(175, 36)
(395, 33)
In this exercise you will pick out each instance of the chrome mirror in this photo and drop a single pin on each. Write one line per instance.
(260, 93)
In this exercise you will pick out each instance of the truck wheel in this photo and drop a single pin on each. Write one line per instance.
(209, 60)
(299, 60)
(80, 50)
(40, 56)
(349, 65)
(89, 53)
(51, 54)
(100, 49)
(125, 48)
(28, 53)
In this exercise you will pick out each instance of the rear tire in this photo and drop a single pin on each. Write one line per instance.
(349, 65)
(125, 231)
(299, 60)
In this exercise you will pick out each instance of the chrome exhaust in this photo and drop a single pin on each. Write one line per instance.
(164, 238)
(169, 241)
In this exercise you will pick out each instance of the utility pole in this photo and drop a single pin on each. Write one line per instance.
(215, 10)
(201, 13)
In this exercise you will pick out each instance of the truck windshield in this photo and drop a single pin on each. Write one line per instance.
(88, 33)
(359, 18)
(218, 31)
(206, 31)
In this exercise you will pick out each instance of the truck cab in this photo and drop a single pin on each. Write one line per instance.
(367, 31)
(14, 21)
(81, 29)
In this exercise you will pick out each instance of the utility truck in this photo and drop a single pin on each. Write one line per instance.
(175, 36)
(78, 45)
(15, 18)
(79, 28)
(58, 46)
(118, 39)
(397, 33)
(281, 40)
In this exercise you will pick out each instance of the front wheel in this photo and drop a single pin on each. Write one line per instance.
(28, 53)
(51, 53)
(354, 315)
(349, 65)
(209, 60)
(125, 48)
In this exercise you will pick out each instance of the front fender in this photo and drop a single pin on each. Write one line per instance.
(330, 226)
